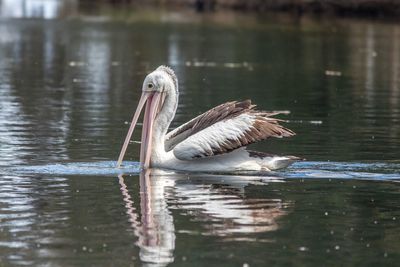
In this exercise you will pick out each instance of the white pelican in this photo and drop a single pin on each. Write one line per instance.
(214, 141)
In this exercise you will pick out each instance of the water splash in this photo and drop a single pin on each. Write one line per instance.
(344, 170)
(301, 170)
(82, 168)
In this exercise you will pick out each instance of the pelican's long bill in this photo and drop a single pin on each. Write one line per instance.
(152, 101)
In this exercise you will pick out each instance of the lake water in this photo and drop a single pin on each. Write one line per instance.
(69, 86)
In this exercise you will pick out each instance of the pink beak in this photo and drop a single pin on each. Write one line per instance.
(152, 106)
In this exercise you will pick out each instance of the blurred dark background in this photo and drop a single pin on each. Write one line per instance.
(364, 8)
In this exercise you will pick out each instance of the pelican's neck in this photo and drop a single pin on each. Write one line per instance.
(161, 125)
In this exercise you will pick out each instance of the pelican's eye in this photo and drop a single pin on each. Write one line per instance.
(150, 85)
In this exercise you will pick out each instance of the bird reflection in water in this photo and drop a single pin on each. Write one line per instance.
(218, 202)
(155, 230)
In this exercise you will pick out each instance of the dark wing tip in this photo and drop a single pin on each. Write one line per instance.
(287, 132)
(270, 127)
(246, 102)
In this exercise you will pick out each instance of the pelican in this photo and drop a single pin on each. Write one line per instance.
(214, 141)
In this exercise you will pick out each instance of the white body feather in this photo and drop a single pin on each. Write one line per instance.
(211, 138)
(236, 161)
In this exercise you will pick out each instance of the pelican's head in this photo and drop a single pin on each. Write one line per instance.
(156, 86)
(162, 80)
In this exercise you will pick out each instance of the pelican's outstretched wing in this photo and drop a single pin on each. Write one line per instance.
(222, 129)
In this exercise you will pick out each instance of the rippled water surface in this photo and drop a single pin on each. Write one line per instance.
(69, 86)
